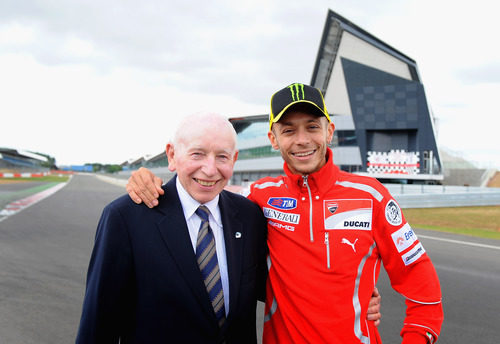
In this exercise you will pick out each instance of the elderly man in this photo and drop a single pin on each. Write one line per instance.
(186, 271)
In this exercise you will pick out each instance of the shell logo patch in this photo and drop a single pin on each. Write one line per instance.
(348, 214)
(404, 237)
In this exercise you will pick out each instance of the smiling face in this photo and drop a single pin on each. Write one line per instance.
(203, 155)
(302, 139)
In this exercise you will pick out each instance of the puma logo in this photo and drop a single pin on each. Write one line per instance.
(345, 241)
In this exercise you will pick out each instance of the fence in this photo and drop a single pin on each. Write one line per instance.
(432, 196)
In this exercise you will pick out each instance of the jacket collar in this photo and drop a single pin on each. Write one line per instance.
(325, 176)
(173, 229)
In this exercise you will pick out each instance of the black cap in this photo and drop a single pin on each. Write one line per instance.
(293, 94)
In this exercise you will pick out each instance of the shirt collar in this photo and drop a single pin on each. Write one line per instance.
(189, 204)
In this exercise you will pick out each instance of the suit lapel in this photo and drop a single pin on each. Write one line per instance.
(233, 237)
(173, 229)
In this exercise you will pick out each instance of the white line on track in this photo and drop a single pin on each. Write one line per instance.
(19, 205)
(460, 242)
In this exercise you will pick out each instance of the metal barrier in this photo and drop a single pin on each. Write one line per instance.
(433, 196)
(407, 195)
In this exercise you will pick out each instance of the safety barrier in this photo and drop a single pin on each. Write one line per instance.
(433, 196)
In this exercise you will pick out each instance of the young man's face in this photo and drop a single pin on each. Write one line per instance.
(204, 161)
(302, 139)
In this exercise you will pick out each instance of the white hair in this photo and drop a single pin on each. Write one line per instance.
(200, 121)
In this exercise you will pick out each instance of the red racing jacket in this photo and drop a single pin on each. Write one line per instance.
(328, 233)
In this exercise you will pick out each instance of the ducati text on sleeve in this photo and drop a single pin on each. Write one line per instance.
(348, 214)
(404, 237)
(281, 216)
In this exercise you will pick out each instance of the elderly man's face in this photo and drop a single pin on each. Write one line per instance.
(204, 161)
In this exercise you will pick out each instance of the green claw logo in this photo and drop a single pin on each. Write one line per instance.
(297, 91)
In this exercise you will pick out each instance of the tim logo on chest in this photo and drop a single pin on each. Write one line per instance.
(284, 203)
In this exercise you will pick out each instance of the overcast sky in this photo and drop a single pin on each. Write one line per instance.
(107, 81)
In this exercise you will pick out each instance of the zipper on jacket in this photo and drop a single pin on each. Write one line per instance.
(327, 244)
(310, 208)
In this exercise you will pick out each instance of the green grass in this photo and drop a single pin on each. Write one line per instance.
(464, 231)
(51, 178)
(47, 182)
(483, 222)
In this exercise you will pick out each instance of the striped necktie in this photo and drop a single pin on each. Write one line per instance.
(207, 261)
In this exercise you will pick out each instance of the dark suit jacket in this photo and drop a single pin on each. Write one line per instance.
(143, 282)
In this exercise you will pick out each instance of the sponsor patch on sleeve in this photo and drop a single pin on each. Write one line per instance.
(413, 255)
(348, 214)
(404, 237)
(393, 213)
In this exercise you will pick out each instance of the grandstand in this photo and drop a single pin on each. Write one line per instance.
(459, 171)
(14, 160)
(149, 161)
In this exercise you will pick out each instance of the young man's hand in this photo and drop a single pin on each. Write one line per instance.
(144, 186)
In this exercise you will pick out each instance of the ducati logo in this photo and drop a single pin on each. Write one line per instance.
(332, 208)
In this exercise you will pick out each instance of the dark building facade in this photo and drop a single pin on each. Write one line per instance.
(378, 103)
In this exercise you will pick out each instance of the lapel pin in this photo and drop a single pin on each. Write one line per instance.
(237, 235)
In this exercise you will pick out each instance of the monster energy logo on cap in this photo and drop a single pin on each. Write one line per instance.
(293, 94)
(297, 91)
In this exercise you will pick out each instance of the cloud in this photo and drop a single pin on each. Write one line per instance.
(489, 73)
(124, 72)
(196, 45)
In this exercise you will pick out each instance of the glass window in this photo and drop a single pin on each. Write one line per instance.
(346, 138)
